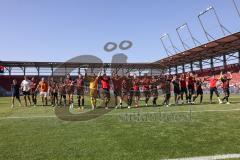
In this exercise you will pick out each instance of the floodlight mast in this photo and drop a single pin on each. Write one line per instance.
(223, 29)
(173, 46)
(185, 46)
(193, 38)
(235, 5)
(204, 29)
(165, 48)
(164, 36)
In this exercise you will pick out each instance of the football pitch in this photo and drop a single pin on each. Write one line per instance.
(28, 133)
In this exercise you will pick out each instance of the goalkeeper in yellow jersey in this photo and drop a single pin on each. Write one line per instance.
(93, 87)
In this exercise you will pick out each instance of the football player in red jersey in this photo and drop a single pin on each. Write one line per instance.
(70, 90)
(154, 89)
(199, 89)
(55, 89)
(226, 78)
(105, 81)
(191, 86)
(146, 88)
(117, 89)
(213, 88)
(183, 87)
(80, 90)
(33, 91)
(176, 89)
(127, 89)
(167, 90)
(62, 92)
(136, 89)
(50, 89)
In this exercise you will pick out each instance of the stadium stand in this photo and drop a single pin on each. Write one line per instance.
(5, 83)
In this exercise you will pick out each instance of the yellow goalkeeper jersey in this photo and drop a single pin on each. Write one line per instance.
(93, 83)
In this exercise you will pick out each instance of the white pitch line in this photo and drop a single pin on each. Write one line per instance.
(215, 157)
(21, 117)
(115, 114)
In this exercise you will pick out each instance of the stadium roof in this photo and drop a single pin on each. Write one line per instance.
(81, 65)
(225, 45)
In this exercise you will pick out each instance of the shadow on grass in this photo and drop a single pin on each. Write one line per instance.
(65, 114)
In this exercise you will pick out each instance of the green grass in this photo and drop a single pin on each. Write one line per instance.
(106, 137)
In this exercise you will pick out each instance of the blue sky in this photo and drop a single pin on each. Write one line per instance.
(57, 30)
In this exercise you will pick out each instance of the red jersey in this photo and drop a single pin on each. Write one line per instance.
(213, 82)
(225, 83)
(54, 87)
(62, 88)
(117, 83)
(146, 83)
(69, 86)
(191, 81)
(80, 83)
(68, 82)
(105, 83)
(154, 83)
(183, 83)
(136, 84)
(127, 84)
(43, 86)
(33, 85)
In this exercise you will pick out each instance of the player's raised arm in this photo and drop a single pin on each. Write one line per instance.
(100, 73)
(206, 78)
(21, 87)
(85, 70)
(38, 86)
(221, 75)
(230, 75)
(86, 77)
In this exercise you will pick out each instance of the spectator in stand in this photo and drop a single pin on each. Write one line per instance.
(26, 88)
(238, 88)
(15, 92)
